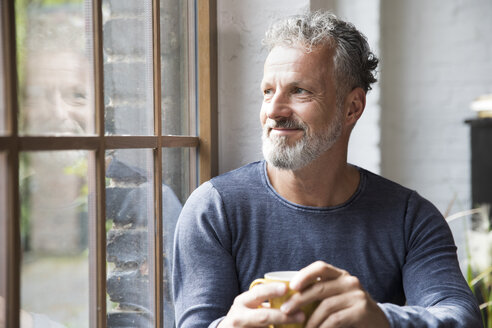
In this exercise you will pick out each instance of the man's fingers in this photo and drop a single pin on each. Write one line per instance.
(265, 317)
(248, 309)
(316, 271)
(324, 290)
(329, 307)
(318, 292)
(260, 293)
(342, 318)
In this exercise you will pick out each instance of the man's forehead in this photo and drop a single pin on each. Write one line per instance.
(294, 58)
(294, 53)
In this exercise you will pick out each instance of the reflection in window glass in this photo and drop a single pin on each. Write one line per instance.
(54, 67)
(176, 168)
(54, 234)
(177, 56)
(3, 237)
(129, 215)
(175, 191)
(128, 67)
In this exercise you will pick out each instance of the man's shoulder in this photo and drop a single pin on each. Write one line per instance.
(229, 184)
(382, 189)
(380, 186)
(247, 176)
(231, 188)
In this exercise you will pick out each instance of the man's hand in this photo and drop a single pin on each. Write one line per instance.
(343, 301)
(247, 310)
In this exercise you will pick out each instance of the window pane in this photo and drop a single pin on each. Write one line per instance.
(54, 67)
(3, 237)
(175, 191)
(176, 170)
(177, 68)
(54, 234)
(128, 68)
(129, 215)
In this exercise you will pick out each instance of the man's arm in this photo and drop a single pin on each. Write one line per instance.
(204, 277)
(437, 294)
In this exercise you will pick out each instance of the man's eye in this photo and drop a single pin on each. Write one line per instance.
(267, 92)
(300, 91)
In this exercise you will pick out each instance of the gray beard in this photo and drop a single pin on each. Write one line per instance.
(280, 154)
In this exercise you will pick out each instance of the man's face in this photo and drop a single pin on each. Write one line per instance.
(299, 114)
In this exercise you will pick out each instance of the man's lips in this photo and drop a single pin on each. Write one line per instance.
(284, 131)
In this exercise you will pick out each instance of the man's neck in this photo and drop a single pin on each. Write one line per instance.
(321, 183)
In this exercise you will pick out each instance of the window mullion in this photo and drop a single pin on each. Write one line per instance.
(97, 309)
(207, 87)
(157, 266)
(12, 301)
(12, 297)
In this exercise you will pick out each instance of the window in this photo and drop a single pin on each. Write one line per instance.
(107, 123)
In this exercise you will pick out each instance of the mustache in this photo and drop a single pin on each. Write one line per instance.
(285, 123)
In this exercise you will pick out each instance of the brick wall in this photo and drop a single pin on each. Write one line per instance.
(436, 60)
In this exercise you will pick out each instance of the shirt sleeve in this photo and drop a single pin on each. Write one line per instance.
(204, 276)
(436, 292)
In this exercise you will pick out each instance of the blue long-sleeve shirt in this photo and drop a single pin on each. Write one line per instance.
(236, 227)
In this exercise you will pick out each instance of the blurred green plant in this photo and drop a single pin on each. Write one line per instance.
(478, 249)
(481, 287)
(79, 169)
(25, 174)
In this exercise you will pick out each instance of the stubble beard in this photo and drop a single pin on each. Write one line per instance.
(280, 154)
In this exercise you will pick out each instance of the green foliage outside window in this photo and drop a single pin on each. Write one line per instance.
(478, 249)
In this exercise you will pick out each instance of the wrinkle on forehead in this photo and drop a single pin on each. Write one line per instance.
(322, 54)
(299, 66)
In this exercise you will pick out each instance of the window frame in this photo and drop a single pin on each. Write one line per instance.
(12, 144)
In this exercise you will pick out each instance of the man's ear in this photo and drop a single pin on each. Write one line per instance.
(356, 102)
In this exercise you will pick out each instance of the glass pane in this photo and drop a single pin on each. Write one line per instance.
(176, 170)
(129, 215)
(175, 191)
(177, 67)
(3, 237)
(128, 67)
(54, 67)
(54, 233)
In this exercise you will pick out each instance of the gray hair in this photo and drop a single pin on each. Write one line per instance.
(354, 62)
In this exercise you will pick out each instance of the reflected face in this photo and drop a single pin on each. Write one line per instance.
(299, 114)
(57, 94)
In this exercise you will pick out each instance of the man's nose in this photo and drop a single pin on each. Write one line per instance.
(279, 106)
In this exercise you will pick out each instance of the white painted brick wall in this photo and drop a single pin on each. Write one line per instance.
(437, 57)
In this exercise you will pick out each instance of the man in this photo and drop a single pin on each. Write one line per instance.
(384, 255)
